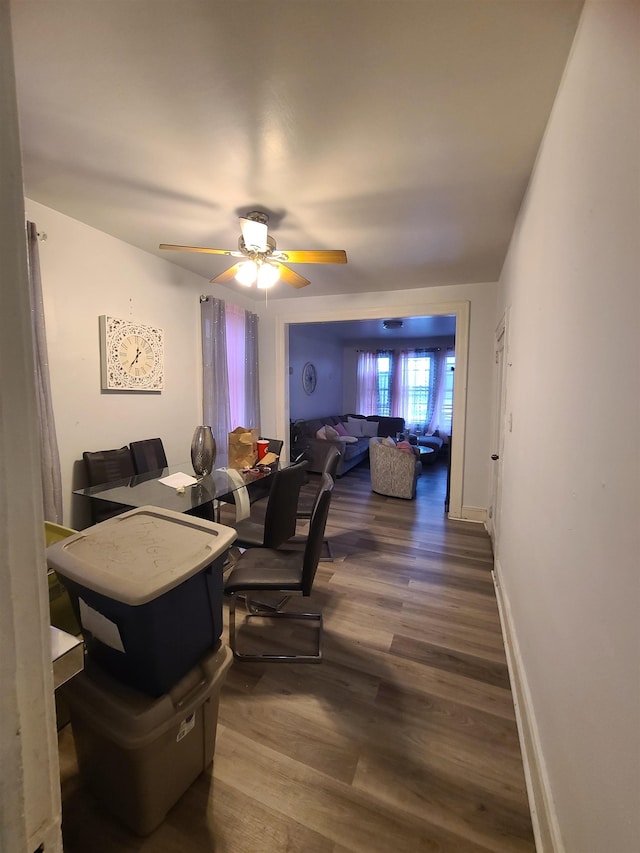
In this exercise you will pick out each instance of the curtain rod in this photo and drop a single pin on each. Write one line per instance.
(413, 349)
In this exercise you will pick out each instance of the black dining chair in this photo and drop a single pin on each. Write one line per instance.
(307, 502)
(261, 488)
(107, 466)
(280, 513)
(275, 445)
(148, 455)
(263, 570)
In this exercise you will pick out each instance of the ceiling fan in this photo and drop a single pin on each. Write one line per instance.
(262, 264)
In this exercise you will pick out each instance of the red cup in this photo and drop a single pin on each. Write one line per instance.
(263, 446)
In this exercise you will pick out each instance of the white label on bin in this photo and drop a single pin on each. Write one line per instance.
(103, 629)
(186, 725)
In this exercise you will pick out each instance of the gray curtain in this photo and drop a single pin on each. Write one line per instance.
(49, 455)
(215, 395)
(252, 385)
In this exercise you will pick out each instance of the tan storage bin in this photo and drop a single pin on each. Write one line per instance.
(136, 754)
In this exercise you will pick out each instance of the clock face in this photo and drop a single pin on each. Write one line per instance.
(136, 356)
(309, 378)
(132, 356)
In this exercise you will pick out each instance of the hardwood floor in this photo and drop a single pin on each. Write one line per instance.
(402, 739)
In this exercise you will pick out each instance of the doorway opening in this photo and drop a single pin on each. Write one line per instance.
(459, 311)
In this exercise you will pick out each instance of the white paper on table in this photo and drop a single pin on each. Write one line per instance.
(177, 480)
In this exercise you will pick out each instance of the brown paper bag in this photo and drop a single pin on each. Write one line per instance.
(243, 451)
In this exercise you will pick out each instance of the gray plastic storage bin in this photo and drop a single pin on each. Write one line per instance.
(147, 589)
(139, 755)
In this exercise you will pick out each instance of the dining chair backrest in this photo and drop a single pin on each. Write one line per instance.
(105, 466)
(307, 502)
(280, 515)
(331, 461)
(148, 455)
(315, 538)
(261, 488)
(275, 445)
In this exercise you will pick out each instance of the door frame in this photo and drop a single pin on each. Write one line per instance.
(497, 441)
(461, 311)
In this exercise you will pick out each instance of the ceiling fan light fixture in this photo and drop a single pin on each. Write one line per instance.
(267, 275)
(254, 234)
(247, 273)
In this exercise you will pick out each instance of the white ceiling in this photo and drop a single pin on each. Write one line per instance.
(403, 131)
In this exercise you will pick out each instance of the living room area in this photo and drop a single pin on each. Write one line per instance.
(394, 380)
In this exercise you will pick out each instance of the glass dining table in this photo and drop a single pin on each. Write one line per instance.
(222, 485)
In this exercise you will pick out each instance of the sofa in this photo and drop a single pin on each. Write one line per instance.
(305, 440)
(394, 472)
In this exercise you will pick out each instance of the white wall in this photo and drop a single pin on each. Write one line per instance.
(569, 548)
(86, 273)
(482, 301)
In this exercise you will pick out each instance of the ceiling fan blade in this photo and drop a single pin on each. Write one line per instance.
(197, 249)
(324, 256)
(291, 277)
(254, 234)
(226, 276)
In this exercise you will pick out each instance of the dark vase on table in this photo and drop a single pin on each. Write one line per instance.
(203, 451)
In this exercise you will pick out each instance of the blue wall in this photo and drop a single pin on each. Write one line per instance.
(325, 352)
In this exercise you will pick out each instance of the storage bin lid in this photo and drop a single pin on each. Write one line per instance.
(139, 555)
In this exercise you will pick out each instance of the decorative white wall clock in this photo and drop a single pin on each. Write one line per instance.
(131, 356)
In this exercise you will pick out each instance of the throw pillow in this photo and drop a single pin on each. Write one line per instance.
(370, 428)
(331, 433)
(388, 441)
(348, 439)
(341, 429)
(405, 446)
(321, 433)
(354, 426)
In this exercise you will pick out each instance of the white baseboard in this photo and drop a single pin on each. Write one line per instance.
(474, 513)
(545, 823)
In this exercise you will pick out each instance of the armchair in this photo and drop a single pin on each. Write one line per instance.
(393, 472)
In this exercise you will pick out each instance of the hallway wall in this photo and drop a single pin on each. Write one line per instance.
(568, 545)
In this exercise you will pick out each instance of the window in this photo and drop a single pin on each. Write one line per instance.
(418, 392)
(230, 393)
(415, 384)
(235, 333)
(384, 385)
